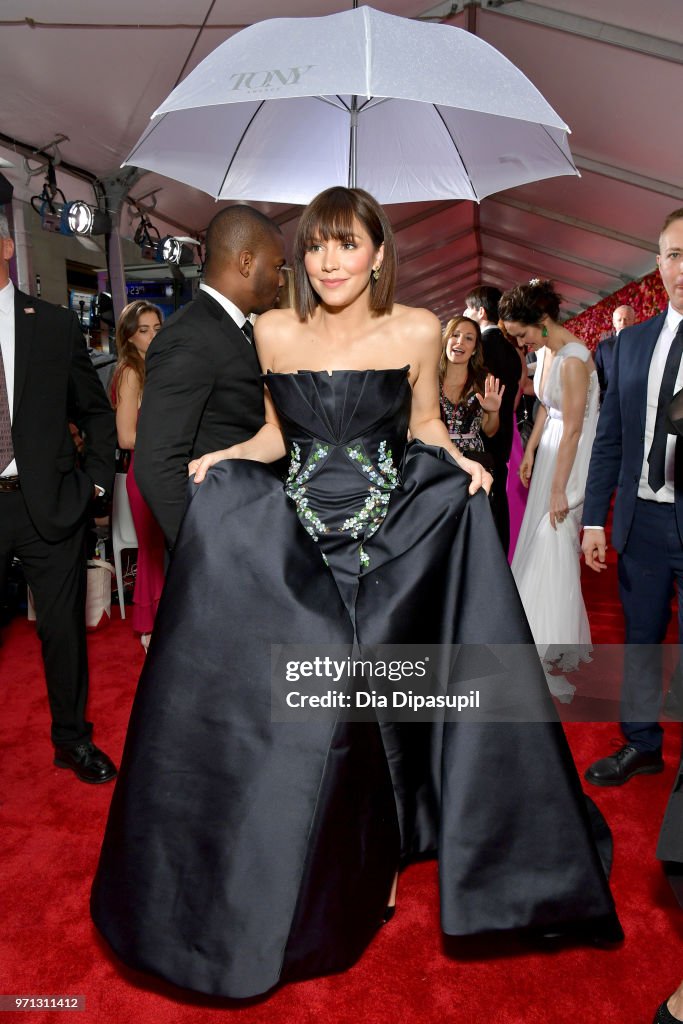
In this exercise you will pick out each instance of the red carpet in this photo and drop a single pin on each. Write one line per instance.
(51, 830)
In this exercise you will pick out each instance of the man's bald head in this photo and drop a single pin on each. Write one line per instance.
(245, 254)
(234, 230)
(623, 316)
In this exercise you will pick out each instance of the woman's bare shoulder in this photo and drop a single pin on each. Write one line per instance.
(127, 378)
(414, 320)
(276, 324)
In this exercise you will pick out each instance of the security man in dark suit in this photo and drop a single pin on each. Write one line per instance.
(46, 382)
(203, 387)
(623, 316)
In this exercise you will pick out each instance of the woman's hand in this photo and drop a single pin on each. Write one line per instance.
(480, 476)
(200, 466)
(559, 508)
(525, 467)
(493, 394)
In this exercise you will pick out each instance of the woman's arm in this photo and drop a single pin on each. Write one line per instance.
(271, 331)
(127, 407)
(574, 378)
(267, 445)
(527, 463)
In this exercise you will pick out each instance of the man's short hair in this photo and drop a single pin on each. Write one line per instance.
(4, 227)
(675, 215)
(487, 296)
(235, 229)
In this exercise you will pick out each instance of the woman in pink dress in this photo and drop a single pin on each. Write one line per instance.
(517, 493)
(137, 326)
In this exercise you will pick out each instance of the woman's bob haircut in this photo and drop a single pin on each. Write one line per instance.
(333, 214)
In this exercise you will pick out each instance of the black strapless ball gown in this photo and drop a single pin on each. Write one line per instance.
(241, 852)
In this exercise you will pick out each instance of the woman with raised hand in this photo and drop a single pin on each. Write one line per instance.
(469, 397)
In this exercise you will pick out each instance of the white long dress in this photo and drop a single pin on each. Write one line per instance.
(546, 564)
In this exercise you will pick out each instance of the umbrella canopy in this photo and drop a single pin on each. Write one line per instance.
(409, 111)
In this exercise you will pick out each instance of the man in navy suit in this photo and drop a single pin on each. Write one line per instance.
(634, 453)
(623, 316)
(203, 387)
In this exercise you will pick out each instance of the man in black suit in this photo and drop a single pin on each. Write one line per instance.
(634, 454)
(203, 389)
(46, 381)
(623, 316)
(500, 359)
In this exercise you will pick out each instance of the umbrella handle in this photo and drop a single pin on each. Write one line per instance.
(353, 153)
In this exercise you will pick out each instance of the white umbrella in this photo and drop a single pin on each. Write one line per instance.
(409, 111)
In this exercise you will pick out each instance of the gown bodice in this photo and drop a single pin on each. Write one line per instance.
(463, 420)
(552, 386)
(346, 433)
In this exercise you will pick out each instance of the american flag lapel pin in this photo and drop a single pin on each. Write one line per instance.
(29, 309)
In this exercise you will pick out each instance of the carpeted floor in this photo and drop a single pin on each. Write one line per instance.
(52, 826)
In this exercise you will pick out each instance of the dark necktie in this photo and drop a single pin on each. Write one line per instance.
(6, 447)
(248, 329)
(657, 455)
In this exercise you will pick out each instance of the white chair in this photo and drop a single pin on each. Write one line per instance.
(123, 535)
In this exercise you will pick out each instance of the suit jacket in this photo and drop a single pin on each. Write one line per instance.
(54, 383)
(618, 449)
(603, 356)
(203, 391)
(501, 359)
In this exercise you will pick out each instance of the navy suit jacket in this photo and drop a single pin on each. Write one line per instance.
(618, 450)
(604, 354)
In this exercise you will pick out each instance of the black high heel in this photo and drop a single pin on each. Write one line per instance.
(388, 914)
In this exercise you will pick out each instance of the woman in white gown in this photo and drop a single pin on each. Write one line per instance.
(555, 466)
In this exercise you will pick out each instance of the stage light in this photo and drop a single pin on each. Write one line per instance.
(169, 250)
(79, 218)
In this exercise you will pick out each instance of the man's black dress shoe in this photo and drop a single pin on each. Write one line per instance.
(88, 762)
(620, 767)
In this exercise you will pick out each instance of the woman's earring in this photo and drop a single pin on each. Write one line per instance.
(544, 331)
(375, 273)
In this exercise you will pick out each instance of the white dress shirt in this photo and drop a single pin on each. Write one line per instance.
(665, 494)
(230, 308)
(7, 343)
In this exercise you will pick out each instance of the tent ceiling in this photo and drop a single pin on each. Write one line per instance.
(614, 72)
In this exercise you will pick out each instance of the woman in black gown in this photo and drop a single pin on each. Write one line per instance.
(240, 851)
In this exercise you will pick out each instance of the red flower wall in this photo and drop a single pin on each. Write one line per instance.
(647, 297)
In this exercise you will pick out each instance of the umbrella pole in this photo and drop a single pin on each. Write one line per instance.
(353, 155)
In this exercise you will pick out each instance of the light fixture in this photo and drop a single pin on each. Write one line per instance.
(74, 218)
(175, 249)
(79, 218)
(169, 250)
